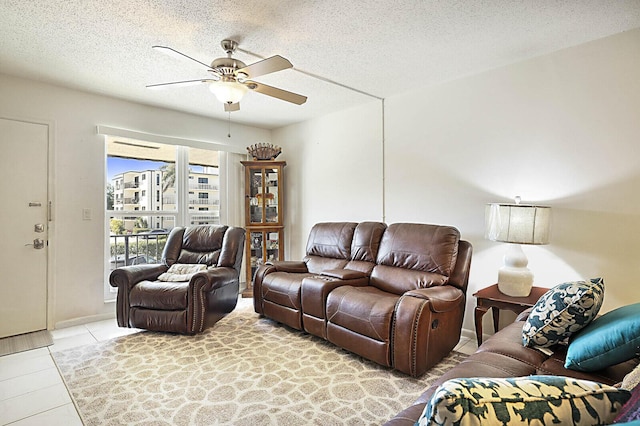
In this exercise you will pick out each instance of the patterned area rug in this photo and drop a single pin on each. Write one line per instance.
(243, 371)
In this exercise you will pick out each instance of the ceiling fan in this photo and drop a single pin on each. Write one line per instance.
(230, 78)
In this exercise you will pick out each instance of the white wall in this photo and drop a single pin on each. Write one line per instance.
(79, 176)
(562, 130)
(333, 173)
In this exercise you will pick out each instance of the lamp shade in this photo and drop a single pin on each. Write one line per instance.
(517, 223)
(228, 92)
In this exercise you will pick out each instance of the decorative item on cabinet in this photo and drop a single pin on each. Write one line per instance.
(263, 215)
(264, 151)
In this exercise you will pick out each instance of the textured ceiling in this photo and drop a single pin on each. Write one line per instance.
(380, 47)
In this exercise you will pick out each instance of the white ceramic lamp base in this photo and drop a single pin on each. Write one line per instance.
(514, 278)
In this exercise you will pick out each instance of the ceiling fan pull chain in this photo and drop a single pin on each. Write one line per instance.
(229, 132)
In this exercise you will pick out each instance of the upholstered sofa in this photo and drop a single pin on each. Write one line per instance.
(503, 355)
(392, 294)
(196, 283)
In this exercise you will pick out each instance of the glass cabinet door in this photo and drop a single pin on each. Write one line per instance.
(263, 196)
(256, 184)
(264, 247)
(271, 178)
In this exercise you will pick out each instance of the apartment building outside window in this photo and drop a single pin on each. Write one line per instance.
(138, 224)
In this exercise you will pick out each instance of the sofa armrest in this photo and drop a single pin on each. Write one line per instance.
(522, 316)
(292, 266)
(443, 298)
(315, 291)
(344, 274)
(127, 276)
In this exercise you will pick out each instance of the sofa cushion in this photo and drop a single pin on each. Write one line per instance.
(632, 379)
(562, 311)
(399, 281)
(365, 310)
(610, 339)
(202, 244)
(331, 239)
(366, 241)
(426, 253)
(283, 288)
(630, 411)
(421, 247)
(159, 295)
(319, 264)
(543, 400)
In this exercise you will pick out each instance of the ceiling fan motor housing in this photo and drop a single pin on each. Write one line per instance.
(227, 66)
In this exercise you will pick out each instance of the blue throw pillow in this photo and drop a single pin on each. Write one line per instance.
(562, 311)
(610, 339)
(539, 400)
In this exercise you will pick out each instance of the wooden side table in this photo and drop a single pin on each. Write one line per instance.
(491, 297)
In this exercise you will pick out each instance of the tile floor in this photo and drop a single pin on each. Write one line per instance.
(33, 393)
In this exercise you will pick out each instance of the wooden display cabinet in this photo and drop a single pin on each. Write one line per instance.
(263, 215)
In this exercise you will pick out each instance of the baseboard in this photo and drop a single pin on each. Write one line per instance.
(83, 320)
(469, 334)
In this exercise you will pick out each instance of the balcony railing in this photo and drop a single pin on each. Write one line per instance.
(203, 186)
(136, 249)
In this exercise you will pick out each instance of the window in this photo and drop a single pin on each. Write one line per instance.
(128, 164)
(177, 175)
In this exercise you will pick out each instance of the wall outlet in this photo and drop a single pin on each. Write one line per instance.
(86, 214)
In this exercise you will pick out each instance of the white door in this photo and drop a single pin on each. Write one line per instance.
(23, 245)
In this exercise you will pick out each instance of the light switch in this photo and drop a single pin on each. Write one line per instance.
(86, 214)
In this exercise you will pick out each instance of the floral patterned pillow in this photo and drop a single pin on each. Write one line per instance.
(540, 400)
(562, 311)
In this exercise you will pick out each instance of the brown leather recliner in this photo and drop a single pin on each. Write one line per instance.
(186, 307)
(394, 295)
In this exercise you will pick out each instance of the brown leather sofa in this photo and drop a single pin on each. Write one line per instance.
(394, 295)
(186, 307)
(503, 355)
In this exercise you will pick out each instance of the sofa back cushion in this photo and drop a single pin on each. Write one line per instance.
(331, 239)
(202, 244)
(415, 255)
(366, 241)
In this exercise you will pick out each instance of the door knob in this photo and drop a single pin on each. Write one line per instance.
(38, 244)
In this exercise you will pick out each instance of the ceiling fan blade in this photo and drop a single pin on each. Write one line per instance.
(266, 66)
(232, 107)
(179, 83)
(174, 53)
(276, 93)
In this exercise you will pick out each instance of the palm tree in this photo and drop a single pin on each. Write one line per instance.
(168, 176)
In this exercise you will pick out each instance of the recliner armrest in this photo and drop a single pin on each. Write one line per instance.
(289, 266)
(443, 298)
(214, 278)
(344, 274)
(128, 276)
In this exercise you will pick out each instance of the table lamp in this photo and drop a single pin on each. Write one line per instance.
(516, 224)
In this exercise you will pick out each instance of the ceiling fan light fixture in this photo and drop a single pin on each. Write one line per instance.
(228, 92)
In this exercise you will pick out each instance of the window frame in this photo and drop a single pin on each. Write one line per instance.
(230, 182)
